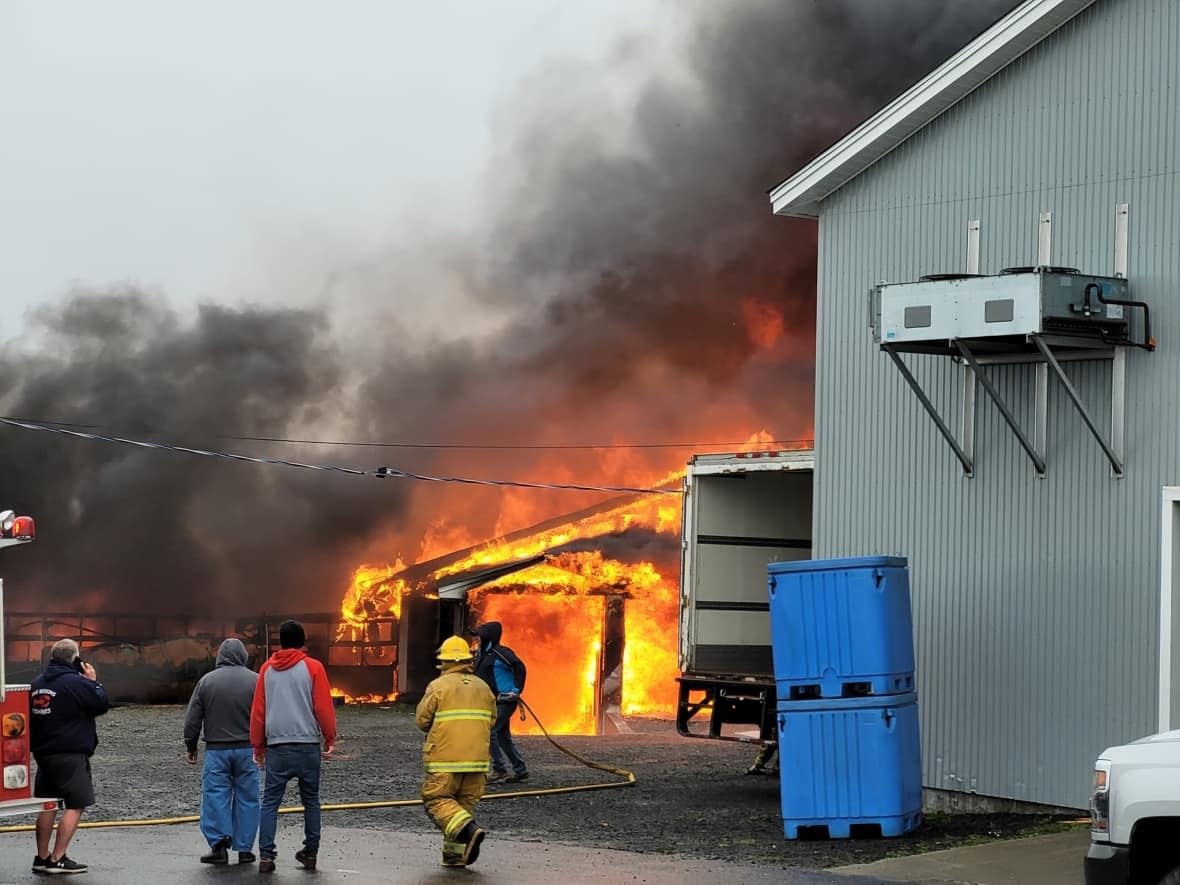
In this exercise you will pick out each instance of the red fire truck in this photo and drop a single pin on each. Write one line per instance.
(16, 788)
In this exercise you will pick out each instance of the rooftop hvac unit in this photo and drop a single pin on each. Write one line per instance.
(1023, 314)
(1014, 304)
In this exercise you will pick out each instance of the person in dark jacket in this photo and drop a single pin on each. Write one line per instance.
(502, 670)
(221, 705)
(64, 701)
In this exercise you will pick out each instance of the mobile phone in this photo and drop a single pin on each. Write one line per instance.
(79, 665)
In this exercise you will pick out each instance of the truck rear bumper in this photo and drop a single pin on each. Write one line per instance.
(1107, 864)
(12, 807)
(726, 701)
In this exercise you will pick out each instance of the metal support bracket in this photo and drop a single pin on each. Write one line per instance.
(1036, 457)
(967, 412)
(1118, 405)
(1051, 361)
(964, 459)
(1040, 438)
(1118, 368)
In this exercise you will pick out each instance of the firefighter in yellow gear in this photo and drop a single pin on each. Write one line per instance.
(456, 713)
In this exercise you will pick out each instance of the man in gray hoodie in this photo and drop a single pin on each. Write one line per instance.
(221, 703)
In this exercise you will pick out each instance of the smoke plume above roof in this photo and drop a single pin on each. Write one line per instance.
(643, 293)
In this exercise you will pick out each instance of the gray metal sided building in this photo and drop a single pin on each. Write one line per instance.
(1042, 598)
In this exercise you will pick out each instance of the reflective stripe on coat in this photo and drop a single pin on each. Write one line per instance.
(456, 713)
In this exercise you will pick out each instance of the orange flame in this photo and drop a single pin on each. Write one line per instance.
(373, 591)
(553, 612)
(660, 513)
(551, 633)
(764, 323)
(364, 698)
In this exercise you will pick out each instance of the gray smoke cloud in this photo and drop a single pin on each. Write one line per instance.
(646, 293)
(123, 529)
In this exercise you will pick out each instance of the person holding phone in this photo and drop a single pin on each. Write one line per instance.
(64, 702)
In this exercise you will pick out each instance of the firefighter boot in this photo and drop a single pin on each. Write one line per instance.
(471, 836)
(452, 853)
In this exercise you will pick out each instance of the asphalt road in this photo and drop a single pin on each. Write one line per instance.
(168, 854)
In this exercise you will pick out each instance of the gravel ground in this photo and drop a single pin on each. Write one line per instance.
(691, 796)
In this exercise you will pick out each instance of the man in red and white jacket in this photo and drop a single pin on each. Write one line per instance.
(291, 715)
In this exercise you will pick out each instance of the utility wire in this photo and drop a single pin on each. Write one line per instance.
(379, 472)
(417, 445)
(513, 447)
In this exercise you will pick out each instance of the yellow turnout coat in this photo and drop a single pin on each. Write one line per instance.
(457, 713)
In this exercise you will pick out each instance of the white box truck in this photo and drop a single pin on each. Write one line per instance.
(741, 512)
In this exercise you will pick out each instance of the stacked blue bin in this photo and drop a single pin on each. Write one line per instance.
(849, 748)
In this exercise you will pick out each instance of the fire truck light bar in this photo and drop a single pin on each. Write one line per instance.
(17, 528)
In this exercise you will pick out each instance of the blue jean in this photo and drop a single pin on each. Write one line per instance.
(284, 762)
(229, 797)
(502, 745)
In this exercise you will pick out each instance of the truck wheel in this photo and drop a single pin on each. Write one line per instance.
(1172, 878)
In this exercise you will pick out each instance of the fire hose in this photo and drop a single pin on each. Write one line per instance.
(629, 780)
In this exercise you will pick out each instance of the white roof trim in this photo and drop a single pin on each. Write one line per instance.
(1000, 45)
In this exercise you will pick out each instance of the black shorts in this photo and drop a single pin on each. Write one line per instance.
(65, 776)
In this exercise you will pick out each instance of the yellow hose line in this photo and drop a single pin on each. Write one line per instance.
(383, 803)
(609, 769)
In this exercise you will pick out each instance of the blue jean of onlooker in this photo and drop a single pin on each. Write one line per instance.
(502, 745)
(284, 762)
(229, 797)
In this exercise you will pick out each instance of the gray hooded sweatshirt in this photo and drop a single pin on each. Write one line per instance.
(221, 702)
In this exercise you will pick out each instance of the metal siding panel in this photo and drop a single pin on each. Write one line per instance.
(1035, 600)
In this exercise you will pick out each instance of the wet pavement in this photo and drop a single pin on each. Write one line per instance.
(168, 854)
(1055, 859)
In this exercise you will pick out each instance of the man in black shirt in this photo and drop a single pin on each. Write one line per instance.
(64, 701)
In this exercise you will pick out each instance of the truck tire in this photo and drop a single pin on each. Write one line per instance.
(1172, 878)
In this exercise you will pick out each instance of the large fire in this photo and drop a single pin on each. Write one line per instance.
(553, 611)
(561, 637)
(554, 606)
(556, 611)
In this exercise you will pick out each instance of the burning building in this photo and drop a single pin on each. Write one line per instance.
(589, 599)
(628, 289)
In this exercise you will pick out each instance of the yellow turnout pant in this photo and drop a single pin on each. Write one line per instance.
(450, 799)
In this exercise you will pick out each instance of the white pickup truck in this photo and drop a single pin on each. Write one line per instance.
(1135, 814)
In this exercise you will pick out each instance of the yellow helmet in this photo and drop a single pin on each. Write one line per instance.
(454, 649)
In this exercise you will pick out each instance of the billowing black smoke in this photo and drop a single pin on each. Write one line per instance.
(645, 290)
(652, 293)
(126, 529)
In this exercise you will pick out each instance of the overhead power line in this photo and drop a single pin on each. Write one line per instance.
(441, 445)
(378, 472)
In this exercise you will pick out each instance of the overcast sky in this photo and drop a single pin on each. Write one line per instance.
(181, 145)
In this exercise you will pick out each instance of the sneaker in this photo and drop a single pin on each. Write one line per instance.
(246, 857)
(517, 778)
(496, 776)
(219, 853)
(40, 863)
(65, 865)
(306, 859)
(266, 865)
